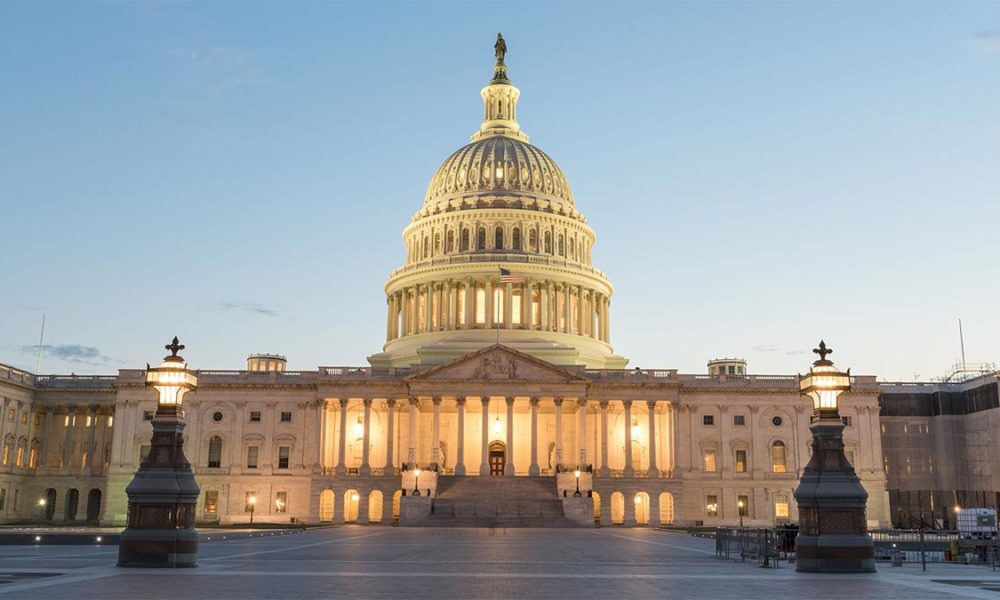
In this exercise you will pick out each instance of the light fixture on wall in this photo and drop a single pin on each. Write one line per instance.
(497, 425)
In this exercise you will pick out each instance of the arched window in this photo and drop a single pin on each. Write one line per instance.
(515, 239)
(572, 248)
(533, 241)
(437, 244)
(498, 238)
(427, 247)
(215, 452)
(778, 464)
(562, 246)
(450, 246)
(481, 239)
(548, 242)
(465, 240)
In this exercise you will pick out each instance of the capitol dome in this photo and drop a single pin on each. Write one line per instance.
(498, 253)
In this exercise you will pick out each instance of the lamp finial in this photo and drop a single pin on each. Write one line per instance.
(822, 350)
(174, 346)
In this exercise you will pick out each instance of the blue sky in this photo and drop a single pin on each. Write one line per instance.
(759, 175)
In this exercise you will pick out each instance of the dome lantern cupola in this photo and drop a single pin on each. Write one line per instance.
(500, 101)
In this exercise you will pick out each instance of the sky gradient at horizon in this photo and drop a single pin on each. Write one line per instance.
(759, 175)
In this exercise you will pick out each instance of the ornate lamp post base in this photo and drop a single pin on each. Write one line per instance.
(834, 532)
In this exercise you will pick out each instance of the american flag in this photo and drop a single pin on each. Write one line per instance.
(508, 277)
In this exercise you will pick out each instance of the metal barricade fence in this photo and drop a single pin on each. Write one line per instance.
(766, 546)
(935, 546)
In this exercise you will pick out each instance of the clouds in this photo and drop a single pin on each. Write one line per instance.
(72, 353)
(250, 308)
(775, 348)
(988, 40)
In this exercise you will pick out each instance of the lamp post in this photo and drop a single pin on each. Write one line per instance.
(577, 493)
(833, 535)
(739, 505)
(252, 501)
(163, 494)
(41, 508)
(416, 482)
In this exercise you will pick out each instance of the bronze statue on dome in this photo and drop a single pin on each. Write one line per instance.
(500, 48)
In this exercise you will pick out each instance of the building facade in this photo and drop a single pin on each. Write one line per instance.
(497, 363)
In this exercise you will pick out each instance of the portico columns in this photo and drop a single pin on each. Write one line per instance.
(581, 431)
(605, 471)
(629, 471)
(484, 466)
(366, 468)
(436, 435)
(489, 303)
(469, 316)
(558, 402)
(411, 452)
(508, 305)
(428, 304)
(544, 291)
(389, 470)
(653, 470)
(509, 467)
(342, 441)
(460, 450)
(533, 468)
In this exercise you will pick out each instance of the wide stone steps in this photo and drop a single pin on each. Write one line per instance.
(496, 502)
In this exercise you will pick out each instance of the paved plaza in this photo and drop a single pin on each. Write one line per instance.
(384, 562)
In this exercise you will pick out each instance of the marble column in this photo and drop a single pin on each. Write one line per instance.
(544, 291)
(629, 471)
(342, 439)
(605, 470)
(388, 318)
(469, 292)
(411, 452)
(428, 305)
(489, 303)
(460, 435)
(366, 468)
(558, 402)
(581, 431)
(533, 468)
(581, 313)
(484, 466)
(653, 470)
(445, 318)
(389, 470)
(68, 440)
(567, 308)
(436, 435)
(509, 467)
(508, 305)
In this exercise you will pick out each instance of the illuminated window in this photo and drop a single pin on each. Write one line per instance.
(480, 306)
(460, 305)
(211, 502)
(33, 458)
(421, 300)
(712, 505)
(743, 504)
(252, 453)
(709, 457)
(435, 301)
(24, 419)
(741, 461)
(283, 453)
(561, 310)
(515, 308)
(778, 464)
(281, 502)
(19, 461)
(780, 506)
(6, 454)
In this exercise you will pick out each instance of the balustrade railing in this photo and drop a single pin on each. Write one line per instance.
(508, 257)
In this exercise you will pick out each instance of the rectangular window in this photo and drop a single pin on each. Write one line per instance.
(33, 458)
(19, 461)
(712, 505)
(710, 461)
(515, 309)
(741, 461)
(498, 305)
(252, 453)
(743, 504)
(24, 418)
(255, 416)
(781, 506)
(286, 416)
(249, 501)
(211, 502)
(708, 420)
(283, 452)
(281, 502)
(6, 454)
(460, 305)
(739, 420)
(480, 306)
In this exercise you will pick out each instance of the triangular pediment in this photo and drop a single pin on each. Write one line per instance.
(497, 363)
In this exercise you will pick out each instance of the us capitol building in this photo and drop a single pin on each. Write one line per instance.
(498, 380)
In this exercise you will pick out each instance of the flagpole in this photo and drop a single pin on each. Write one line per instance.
(41, 340)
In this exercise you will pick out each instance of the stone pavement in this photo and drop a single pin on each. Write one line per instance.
(387, 562)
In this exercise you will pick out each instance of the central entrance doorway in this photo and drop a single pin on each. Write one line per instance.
(498, 458)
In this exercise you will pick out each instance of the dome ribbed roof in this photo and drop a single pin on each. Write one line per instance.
(499, 165)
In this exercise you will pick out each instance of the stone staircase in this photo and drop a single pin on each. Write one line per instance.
(496, 502)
